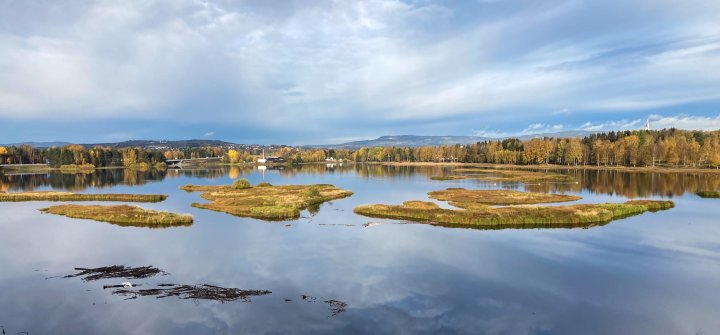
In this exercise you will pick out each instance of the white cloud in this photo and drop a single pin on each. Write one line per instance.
(612, 125)
(382, 60)
(685, 122)
(208, 134)
(657, 122)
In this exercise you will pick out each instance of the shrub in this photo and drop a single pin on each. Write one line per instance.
(313, 192)
(264, 184)
(241, 184)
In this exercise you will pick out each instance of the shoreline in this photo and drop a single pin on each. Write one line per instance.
(645, 169)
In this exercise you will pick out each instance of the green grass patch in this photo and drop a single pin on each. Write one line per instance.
(76, 168)
(66, 196)
(266, 202)
(498, 175)
(708, 194)
(122, 215)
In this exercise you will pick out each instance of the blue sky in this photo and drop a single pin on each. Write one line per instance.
(301, 72)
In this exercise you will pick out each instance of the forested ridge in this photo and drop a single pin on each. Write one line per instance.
(667, 147)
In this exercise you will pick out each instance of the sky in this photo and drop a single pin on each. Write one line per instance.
(319, 72)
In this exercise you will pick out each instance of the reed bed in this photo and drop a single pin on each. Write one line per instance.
(66, 196)
(122, 215)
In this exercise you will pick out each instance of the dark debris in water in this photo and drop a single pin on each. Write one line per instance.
(204, 292)
(335, 306)
(116, 271)
(193, 292)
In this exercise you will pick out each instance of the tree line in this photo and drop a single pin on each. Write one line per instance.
(667, 147)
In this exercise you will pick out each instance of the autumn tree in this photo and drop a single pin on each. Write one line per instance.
(233, 156)
(573, 152)
(631, 146)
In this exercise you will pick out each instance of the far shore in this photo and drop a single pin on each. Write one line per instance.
(646, 169)
(656, 169)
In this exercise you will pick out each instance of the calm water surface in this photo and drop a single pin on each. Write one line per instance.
(657, 273)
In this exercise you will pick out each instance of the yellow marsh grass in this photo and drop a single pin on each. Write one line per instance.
(122, 215)
(498, 197)
(267, 202)
(581, 215)
(66, 196)
(505, 176)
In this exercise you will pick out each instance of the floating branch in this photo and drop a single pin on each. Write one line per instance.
(116, 271)
(204, 292)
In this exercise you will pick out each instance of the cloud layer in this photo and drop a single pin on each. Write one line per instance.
(329, 69)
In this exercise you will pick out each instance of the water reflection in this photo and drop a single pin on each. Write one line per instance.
(631, 184)
(609, 182)
(650, 274)
(98, 178)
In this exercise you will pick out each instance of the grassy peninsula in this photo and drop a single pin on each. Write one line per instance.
(708, 194)
(67, 196)
(122, 215)
(265, 201)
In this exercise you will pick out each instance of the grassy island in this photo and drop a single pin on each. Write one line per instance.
(265, 201)
(708, 194)
(122, 215)
(459, 196)
(66, 196)
(74, 168)
(479, 216)
(505, 176)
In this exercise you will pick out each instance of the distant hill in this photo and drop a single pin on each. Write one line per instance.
(416, 141)
(39, 144)
(408, 141)
(146, 144)
(560, 134)
(153, 144)
(383, 141)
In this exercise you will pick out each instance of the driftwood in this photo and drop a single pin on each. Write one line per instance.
(205, 292)
(105, 287)
(116, 271)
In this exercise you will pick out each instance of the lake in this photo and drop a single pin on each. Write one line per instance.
(656, 273)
